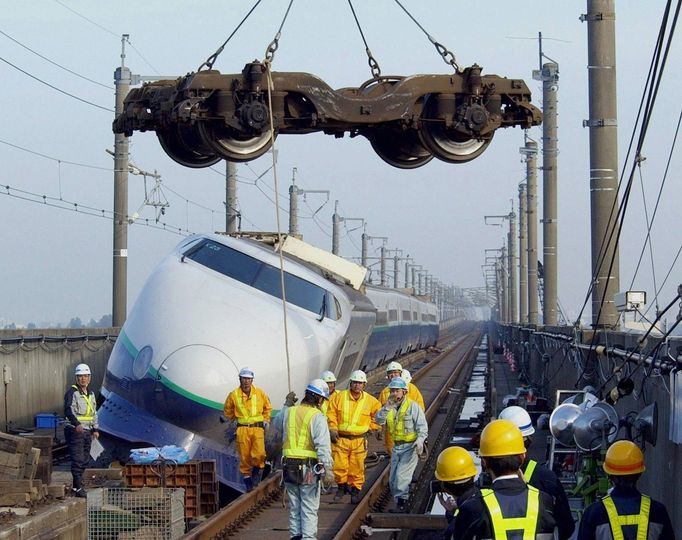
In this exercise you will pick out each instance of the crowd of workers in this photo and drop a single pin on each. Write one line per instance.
(324, 442)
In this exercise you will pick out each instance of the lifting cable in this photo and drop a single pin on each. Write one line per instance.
(447, 56)
(267, 62)
(373, 64)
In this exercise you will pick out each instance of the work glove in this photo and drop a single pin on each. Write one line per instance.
(419, 445)
(328, 478)
(379, 435)
(333, 435)
(290, 399)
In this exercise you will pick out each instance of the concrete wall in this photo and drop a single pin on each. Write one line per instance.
(41, 363)
(548, 364)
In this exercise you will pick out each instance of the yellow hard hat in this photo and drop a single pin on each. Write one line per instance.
(454, 464)
(623, 458)
(501, 438)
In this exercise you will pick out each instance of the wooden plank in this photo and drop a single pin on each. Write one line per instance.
(13, 444)
(14, 510)
(12, 460)
(41, 441)
(16, 486)
(31, 463)
(58, 491)
(11, 499)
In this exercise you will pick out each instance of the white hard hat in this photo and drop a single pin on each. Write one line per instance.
(82, 369)
(328, 376)
(520, 417)
(358, 376)
(247, 373)
(319, 388)
(406, 376)
(394, 366)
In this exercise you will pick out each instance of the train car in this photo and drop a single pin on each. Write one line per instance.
(213, 306)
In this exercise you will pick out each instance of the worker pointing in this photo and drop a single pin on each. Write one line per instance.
(251, 408)
(351, 416)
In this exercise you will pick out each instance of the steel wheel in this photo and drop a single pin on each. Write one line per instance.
(449, 145)
(233, 146)
(400, 149)
(173, 143)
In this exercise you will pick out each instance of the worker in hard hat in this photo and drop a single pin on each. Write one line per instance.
(330, 379)
(540, 476)
(511, 504)
(455, 472)
(251, 408)
(393, 370)
(404, 421)
(625, 512)
(80, 411)
(351, 416)
(306, 458)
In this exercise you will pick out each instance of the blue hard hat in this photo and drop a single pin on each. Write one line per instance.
(319, 388)
(398, 382)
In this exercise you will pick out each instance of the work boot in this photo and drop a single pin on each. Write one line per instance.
(79, 492)
(256, 475)
(355, 495)
(297, 537)
(248, 483)
(340, 492)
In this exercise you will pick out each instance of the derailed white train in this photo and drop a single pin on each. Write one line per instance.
(213, 306)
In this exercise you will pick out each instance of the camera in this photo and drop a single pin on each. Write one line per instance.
(436, 486)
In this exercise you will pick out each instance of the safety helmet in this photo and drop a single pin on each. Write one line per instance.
(358, 376)
(393, 366)
(520, 417)
(246, 373)
(398, 382)
(455, 464)
(319, 388)
(623, 458)
(328, 376)
(406, 376)
(82, 369)
(501, 438)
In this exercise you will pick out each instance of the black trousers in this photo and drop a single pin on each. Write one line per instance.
(79, 452)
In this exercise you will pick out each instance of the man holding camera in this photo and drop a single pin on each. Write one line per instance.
(406, 426)
(454, 484)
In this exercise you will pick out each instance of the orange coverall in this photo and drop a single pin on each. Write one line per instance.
(414, 394)
(352, 418)
(248, 410)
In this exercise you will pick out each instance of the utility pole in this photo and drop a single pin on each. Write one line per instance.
(530, 151)
(523, 256)
(503, 286)
(294, 193)
(123, 79)
(549, 75)
(414, 268)
(407, 268)
(231, 213)
(336, 222)
(603, 124)
(511, 303)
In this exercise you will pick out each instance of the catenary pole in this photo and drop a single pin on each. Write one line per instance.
(523, 256)
(231, 213)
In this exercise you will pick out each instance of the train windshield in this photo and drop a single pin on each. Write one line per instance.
(264, 277)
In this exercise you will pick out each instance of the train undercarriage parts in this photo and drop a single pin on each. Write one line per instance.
(207, 116)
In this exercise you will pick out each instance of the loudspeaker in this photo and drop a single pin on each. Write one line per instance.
(597, 423)
(561, 422)
(646, 424)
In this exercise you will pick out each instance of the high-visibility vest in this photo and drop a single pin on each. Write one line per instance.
(89, 415)
(297, 441)
(325, 404)
(243, 416)
(501, 524)
(618, 521)
(530, 469)
(350, 425)
(397, 428)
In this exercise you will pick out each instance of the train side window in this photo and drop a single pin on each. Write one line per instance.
(225, 260)
(392, 315)
(333, 307)
(382, 318)
(415, 316)
(305, 294)
(406, 315)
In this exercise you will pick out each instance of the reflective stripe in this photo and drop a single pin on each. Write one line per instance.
(89, 415)
(397, 429)
(530, 469)
(347, 424)
(324, 406)
(617, 521)
(501, 525)
(242, 417)
(297, 442)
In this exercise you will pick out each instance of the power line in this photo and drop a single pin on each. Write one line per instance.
(89, 20)
(55, 88)
(56, 159)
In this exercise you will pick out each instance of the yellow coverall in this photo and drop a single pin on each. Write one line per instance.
(414, 394)
(352, 418)
(250, 412)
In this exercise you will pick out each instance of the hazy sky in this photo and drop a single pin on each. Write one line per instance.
(58, 263)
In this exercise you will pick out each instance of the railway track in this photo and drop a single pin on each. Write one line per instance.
(261, 514)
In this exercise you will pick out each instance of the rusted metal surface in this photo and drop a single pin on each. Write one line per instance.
(207, 116)
(261, 513)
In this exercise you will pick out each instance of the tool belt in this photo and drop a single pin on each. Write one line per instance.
(299, 471)
(352, 436)
(255, 424)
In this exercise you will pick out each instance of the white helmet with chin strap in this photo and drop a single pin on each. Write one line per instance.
(82, 369)
(520, 417)
(393, 366)
(358, 376)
